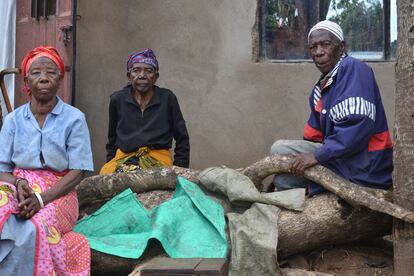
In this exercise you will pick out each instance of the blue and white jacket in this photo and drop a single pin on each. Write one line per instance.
(348, 118)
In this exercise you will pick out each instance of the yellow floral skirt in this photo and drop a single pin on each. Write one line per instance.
(143, 158)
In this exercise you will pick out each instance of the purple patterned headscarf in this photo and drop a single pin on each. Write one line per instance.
(146, 56)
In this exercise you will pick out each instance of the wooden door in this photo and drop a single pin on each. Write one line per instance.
(44, 23)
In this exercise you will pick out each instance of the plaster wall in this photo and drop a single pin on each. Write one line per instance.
(234, 107)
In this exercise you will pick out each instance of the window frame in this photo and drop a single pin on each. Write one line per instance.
(386, 56)
(43, 9)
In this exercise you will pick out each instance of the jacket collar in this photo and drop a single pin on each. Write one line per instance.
(326, 80)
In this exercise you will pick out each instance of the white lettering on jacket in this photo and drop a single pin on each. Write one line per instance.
(350, 106)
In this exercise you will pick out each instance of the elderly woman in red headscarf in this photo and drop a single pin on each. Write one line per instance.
(45, 148)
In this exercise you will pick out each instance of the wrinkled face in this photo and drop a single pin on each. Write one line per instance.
(325, 50)
(43, 79)
(142, 77)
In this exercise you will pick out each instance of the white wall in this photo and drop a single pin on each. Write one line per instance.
(7, 44)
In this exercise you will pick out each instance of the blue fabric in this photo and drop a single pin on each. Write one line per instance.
(351, 113)
(17, 247)
(63, 141)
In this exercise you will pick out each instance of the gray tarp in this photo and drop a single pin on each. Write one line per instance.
(253, 231)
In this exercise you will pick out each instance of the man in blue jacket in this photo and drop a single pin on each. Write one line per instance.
(347, 130)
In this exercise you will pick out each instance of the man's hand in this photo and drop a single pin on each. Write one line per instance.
(301, 162)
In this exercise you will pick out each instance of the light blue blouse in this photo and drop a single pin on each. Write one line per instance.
(63, 141)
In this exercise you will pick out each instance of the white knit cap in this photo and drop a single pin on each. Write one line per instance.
(330, 26)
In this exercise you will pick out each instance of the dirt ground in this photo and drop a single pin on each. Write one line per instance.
(347, 260)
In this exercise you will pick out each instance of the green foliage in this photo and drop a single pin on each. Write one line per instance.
(279, 13)
(288, 21)
(362, 23)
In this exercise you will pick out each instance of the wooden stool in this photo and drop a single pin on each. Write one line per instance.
(194, 266)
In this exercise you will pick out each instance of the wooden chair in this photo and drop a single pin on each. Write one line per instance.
(6, 99)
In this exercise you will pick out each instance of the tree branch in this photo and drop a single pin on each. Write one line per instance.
(100, 188)
(352, 193)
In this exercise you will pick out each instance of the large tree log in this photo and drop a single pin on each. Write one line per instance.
(325, 220)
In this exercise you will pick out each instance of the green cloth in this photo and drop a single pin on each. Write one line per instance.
(190, 225)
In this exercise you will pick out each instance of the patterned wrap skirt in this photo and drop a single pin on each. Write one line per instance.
(44, 244)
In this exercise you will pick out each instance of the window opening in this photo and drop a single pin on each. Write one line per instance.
(370, 27)
(43, 8)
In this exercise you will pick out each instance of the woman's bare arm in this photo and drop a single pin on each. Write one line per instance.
(31, 204)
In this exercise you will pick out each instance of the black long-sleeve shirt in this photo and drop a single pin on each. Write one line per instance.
(155, 127)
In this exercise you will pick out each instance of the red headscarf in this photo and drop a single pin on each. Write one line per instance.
(39, 52)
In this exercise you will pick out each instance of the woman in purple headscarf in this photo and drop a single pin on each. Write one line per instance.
(143, 121)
